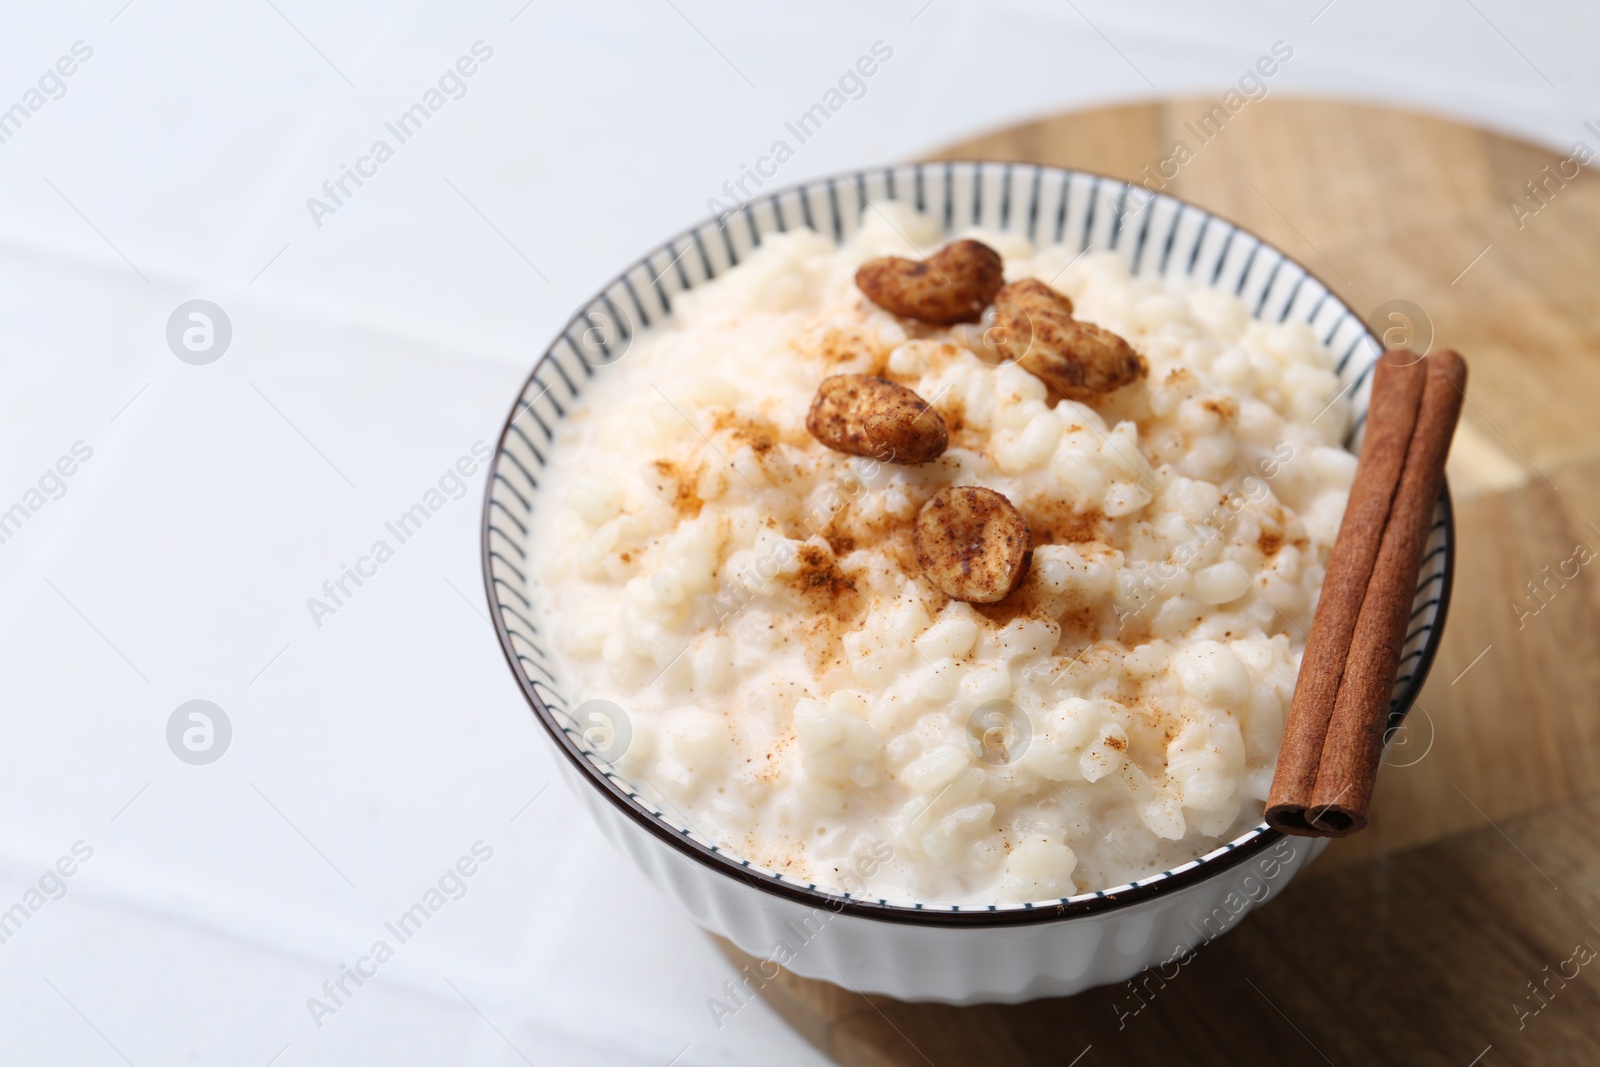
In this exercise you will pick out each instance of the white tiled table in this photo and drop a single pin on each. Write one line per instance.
(371, 751)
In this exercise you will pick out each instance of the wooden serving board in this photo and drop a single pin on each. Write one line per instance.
(1433, 936)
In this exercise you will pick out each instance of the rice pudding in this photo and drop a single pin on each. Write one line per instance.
(799, 685)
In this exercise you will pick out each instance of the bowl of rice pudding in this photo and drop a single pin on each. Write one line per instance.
(913, 569)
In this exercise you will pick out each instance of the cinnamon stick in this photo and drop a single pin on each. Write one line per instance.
(1391, 415)
(1354, 744)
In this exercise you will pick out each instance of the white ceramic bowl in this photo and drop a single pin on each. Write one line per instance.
(958, 955)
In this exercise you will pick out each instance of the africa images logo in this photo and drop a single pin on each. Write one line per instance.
(451, 85)
(52, 85)
(199, 332)
(451, 485)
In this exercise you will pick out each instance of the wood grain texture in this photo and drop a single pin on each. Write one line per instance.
(1481, 866)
